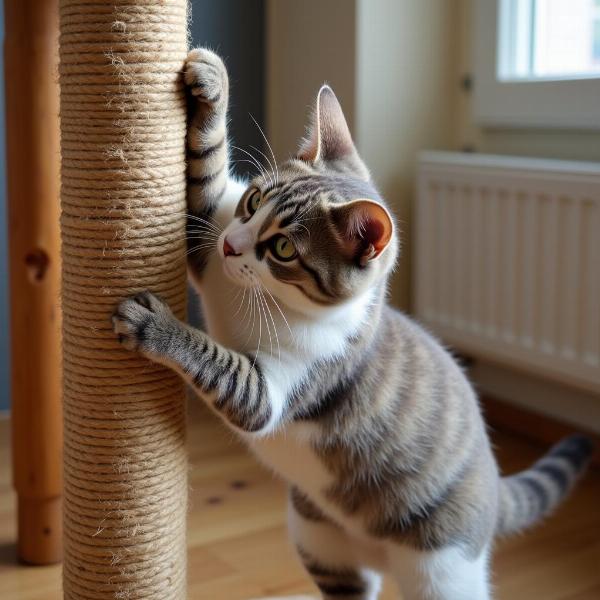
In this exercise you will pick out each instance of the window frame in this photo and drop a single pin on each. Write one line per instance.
(568, 103)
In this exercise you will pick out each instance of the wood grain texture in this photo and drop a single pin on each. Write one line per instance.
(32, 141)
(238, 547)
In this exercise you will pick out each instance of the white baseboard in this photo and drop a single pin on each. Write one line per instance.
(564, 403)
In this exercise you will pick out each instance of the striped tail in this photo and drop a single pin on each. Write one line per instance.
(530, 495)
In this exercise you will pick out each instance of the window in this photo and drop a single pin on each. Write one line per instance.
(537, 63)
(549, 39)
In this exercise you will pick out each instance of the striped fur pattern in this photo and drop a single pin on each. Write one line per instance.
(366, 416)
(534, 493)
(338, 583)
(234, 381)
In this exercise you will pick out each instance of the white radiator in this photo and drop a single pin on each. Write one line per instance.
(507, 261)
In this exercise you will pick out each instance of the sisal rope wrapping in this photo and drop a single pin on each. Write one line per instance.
(123, 124)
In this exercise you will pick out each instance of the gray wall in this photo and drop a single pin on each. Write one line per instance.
(235, 29)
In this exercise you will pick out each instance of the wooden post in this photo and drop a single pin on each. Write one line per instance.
(31, 58)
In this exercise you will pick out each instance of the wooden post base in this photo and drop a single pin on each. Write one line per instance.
(32, 155)
(40, 530)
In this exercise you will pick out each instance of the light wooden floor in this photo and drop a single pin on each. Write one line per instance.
(237, 541)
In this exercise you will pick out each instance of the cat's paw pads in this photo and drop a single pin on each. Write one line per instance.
(141, 321)
(206, 76)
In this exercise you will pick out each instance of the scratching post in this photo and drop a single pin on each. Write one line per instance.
(123, 123)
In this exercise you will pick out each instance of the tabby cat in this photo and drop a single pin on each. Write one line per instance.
(368, 419)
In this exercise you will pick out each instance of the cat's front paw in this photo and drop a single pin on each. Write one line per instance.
(206, 76)
(144, 323)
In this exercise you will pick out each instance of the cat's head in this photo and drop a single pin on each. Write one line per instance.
(315, 233)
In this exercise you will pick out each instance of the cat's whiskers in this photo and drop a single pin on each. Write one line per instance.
(264, 312)
(203, 232)
(274, 325)
(301, 219)
(260, 314)
(200, 222)
(184, 238)
(202, 237)
(252, 316)
(306, 209)
(268, 161)
(280, 312)
(241, 160)
(246, 312)
(203, 219)
(269, 146)
(303, 227)
(209, 233)
(200, 243)
(259, 166)
(237, 312)
(259, 333)
(209, 246)
(246, 321)
(197, 222)
(304, 212)
(204, 227)
(234, 295)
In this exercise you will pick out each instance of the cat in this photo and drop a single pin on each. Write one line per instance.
(368, 419)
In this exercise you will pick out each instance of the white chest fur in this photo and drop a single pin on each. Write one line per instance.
(290, 455)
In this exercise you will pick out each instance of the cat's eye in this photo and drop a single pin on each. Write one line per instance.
(253, 202)
(282, 248)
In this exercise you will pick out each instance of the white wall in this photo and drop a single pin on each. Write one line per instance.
(308, 43)
(406, 100)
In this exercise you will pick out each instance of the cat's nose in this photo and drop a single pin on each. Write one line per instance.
(228, 249)
(237, 242)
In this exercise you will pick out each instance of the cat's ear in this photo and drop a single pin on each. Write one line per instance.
(329, 138)
(365, 226)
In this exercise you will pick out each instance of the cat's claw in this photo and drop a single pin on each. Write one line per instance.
(142, 322)
(206, 76)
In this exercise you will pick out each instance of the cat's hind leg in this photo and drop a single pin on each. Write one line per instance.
(445, 574)
(329, 554)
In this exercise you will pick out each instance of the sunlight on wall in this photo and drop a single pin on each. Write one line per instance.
(406, 101)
